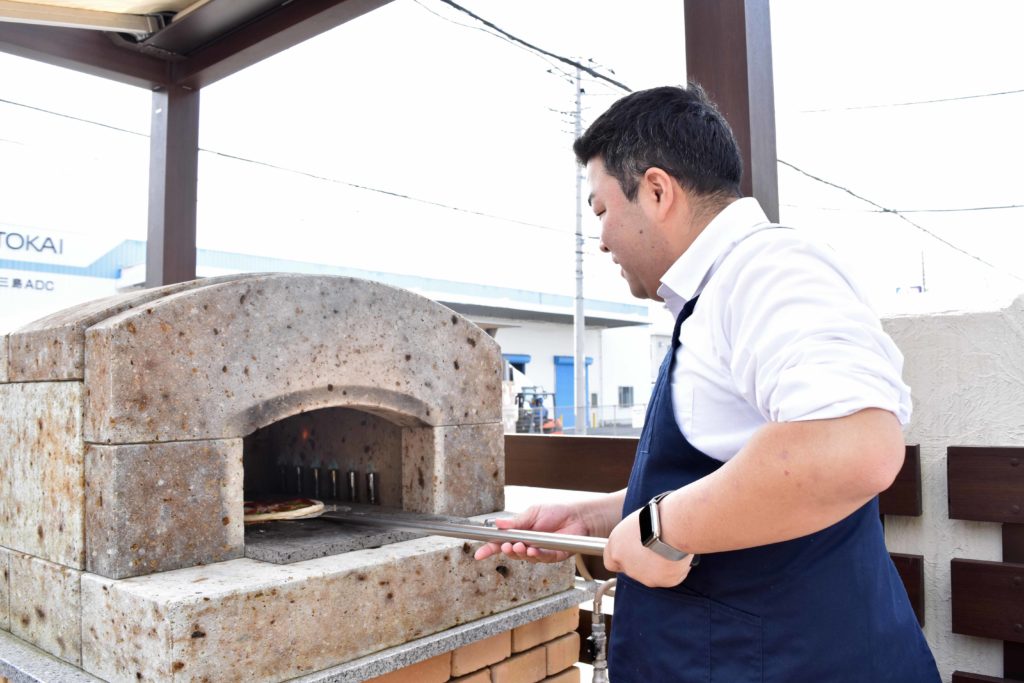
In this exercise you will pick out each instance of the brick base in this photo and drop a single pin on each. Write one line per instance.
(545, 651)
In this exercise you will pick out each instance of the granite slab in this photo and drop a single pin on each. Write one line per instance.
(22, 663)
(289, 541)
(42, 497)
(263, 622)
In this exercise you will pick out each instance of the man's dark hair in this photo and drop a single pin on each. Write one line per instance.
(678, 130)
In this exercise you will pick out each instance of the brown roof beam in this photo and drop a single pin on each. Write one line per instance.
(274, 32)
(91, 52)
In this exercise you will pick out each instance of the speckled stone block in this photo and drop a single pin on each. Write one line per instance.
(223, 360)
(154, 507)
(5, 589)
(454, 470)
(42, 470)
(46, 606)
(52, 348)
(253, 621)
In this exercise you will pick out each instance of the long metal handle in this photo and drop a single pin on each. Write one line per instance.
(585, 545)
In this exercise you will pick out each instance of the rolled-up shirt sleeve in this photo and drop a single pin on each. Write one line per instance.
(802, 342)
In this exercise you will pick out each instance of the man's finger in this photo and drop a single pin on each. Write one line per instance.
(485, 551)
(544, 555)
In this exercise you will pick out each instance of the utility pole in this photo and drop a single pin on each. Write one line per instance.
(579, 357)
(924, 285)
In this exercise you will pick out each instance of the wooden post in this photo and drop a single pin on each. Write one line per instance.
(1013, 551)
(729, 52)
(173, 175)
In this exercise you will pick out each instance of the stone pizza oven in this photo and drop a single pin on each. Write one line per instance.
(135, 426)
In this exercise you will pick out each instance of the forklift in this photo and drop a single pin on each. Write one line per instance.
(534, 417)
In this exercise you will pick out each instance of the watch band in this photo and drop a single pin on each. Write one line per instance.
(650, 531)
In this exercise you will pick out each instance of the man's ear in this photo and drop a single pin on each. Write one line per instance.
(660, 190)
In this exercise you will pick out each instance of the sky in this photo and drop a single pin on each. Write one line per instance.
(889, 104)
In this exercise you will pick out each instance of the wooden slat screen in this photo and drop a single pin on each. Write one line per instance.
(911, 570)
(988, 599)
(961, 677)
(904, 496)
(986, 484)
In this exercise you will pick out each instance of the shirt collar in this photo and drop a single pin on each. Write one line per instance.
(687, 276)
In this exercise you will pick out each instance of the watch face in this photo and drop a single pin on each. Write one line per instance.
(647, 536)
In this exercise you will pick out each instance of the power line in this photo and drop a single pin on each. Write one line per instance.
(910, 104)
(564, 60)
(496, 35)
(389, 193)
(960, 210)
(898, 215)
(879, 208)
(73, 118)
(971, 208)
(307, 174)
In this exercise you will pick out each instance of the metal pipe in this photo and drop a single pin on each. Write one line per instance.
(353, 490)
(298, 480)
(316, 482)
(371, 488)
(586, 545)
(598, 636)
(333, 483)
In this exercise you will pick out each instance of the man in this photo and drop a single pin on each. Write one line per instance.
(775, 422)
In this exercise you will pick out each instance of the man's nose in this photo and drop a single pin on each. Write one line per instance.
(604, 247)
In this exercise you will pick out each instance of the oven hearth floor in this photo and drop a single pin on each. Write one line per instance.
(288, 541)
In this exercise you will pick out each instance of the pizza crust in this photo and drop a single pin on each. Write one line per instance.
(295, 508)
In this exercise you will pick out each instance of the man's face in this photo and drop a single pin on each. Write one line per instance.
(627, 233)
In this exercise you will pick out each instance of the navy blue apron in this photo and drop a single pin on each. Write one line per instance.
(823, 608)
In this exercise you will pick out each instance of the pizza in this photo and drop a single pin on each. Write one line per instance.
(290, 508)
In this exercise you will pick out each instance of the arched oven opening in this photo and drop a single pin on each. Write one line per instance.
(338, 456)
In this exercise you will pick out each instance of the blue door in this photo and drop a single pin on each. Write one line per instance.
(565, 389)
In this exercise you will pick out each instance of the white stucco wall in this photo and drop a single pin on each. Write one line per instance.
(966, 371)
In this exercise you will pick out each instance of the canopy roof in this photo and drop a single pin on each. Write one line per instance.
(158, 43)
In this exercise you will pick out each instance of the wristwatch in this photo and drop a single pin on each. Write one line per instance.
(650, 531)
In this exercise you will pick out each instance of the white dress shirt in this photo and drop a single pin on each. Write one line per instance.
(780, 334)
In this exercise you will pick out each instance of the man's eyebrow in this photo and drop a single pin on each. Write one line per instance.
(590, 199)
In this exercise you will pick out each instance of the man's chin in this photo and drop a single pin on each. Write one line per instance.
(638, 291)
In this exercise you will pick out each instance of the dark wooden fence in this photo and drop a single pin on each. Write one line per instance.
(986, 484)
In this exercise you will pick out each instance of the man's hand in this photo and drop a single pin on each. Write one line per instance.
(625, 553)
(560, 519)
